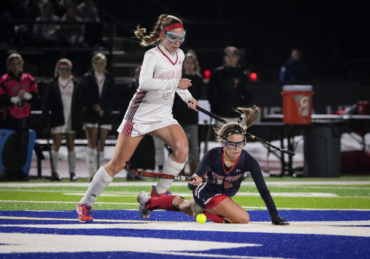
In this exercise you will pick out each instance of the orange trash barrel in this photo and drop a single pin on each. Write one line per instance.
(297, 104)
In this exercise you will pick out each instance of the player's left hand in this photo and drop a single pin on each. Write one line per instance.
(198, 180)
(279, 221)
(192, 103)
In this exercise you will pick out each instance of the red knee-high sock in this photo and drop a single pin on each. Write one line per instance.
(214, 217)
(165, 203)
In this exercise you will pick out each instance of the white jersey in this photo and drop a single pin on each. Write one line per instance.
(66, 88)
(159, 77)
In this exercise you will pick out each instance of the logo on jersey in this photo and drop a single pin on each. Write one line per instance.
(180, 62)
(170, 74)
(247, 174)
(167, 94)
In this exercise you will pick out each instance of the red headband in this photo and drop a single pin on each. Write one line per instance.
(173, 26)
(63, 64)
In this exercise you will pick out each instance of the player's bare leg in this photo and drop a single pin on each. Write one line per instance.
(123, 151)
(230, 210)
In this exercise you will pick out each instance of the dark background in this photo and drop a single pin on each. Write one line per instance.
(332, 35)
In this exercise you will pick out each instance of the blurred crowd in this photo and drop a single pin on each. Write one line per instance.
(49, 23)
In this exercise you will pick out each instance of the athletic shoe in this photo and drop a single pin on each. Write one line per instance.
(143, 198)
(55, 177)
(72, 177)
(155, 194)
(196, 210)
(84, 213)
(279, 221)
(226, 221)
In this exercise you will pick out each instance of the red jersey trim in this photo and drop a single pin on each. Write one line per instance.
(177, 57)
(223, 164)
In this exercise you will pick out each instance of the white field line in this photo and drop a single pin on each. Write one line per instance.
(189, 194)
(26, 243)
(120, 203)
(197, 255)
(245, 183)
(247, 194)
(257, 227)
(265, 223)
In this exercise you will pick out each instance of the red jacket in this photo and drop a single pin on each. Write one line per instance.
(9, 87)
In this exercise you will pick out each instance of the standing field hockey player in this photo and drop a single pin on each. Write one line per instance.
(98, 90)
(230, 164)
(62, 98)
(150, 111)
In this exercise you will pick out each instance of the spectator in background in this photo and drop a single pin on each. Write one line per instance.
(46, 34)
(62, 99)
(98, 89)
(62, 6)
(89, 13)
(227, 87)
(33, 9)
(187, 118)
(293, 70)
(7, 35)
(73, 34)
(18, 91)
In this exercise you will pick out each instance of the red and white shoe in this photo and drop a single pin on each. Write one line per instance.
(84, 213)
(155, 194)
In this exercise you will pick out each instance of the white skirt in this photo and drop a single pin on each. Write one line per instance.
(103, 126)
(133, 129)
(62, 130)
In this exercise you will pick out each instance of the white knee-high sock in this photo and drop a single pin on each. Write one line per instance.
(101, 158)
(170, 167)
(72, 161)
(100, 181)
(90, 161)
(55, 158)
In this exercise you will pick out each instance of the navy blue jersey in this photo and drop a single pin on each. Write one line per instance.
(212, 167)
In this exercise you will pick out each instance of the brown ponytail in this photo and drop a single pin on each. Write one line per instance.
(251, 115)
(163, 20)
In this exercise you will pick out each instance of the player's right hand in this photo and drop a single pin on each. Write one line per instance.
(198, 180)
(184, 84)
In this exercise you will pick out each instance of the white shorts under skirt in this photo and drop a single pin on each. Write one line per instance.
(62, 130)
(103, 126)
(133, 129)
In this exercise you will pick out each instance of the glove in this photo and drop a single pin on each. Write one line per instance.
(279, 221)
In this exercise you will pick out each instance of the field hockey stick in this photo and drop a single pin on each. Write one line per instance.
(54, 174)
(214, 116)
(127, 166)
(98, 145)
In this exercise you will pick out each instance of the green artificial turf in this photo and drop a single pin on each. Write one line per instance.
(346, 194)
